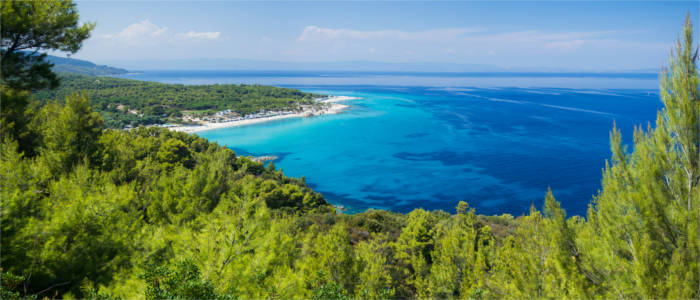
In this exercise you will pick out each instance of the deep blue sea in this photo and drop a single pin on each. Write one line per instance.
(430, 140)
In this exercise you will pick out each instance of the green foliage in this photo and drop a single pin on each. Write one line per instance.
(92, 199)
(16, 119)
(156, 102)
(328, 258)
(648, 213)
(26, 71)
(413, 250)
(37, 25)
(374, 278)
(330, 291)
(10, 286)
(70, 133)
(174, 152)
(180, 280)
(456, 270)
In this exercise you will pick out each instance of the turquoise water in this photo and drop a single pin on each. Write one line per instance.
(404, 147)
(498, 149)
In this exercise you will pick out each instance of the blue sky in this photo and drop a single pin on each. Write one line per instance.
(553, 34)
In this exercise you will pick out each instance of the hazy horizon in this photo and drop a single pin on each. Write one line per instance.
(229, 64)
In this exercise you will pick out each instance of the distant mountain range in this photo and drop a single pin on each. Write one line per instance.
(263, 65)
(356, 66)
(78, 66)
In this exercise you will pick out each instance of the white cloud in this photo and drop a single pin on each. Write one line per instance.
(462, 37)
(516, 47)
(138, 31)
(200, 35)
(315, 33)
(147, 33)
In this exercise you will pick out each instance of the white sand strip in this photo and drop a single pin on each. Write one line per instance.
(334, 109)
(332, 99)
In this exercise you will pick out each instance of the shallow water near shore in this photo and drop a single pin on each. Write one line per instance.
(404, 147)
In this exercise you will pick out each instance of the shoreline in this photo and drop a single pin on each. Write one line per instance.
(332, 99)
(334, 108)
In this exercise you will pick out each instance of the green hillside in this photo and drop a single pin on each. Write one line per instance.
(132, 102)
(77, 66)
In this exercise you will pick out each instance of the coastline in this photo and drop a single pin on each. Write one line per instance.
(333, 99)
(335, 108)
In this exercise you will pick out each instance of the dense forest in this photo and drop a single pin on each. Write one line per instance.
(156, 103)
(91, 212)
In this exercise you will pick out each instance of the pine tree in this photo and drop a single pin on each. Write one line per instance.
(648, 211)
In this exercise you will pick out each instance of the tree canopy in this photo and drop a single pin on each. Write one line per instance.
(35, 26)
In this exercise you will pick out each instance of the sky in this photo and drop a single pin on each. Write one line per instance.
(622, 35)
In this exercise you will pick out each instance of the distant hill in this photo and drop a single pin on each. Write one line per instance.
(343, 66)
(77, 66)
(263, 65)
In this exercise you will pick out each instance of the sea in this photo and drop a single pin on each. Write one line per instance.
(429, 140)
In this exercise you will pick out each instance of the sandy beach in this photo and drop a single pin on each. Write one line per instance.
(334, 108)
(333, 99)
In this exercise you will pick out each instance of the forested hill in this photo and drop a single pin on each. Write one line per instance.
(78, 66)
(132, 102)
